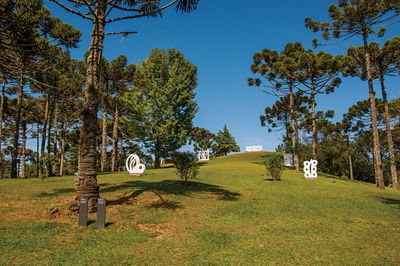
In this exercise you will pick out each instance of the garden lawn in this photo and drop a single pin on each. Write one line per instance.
(232, 214)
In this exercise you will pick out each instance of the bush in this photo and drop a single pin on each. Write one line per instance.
(186, 165)
(274, 167)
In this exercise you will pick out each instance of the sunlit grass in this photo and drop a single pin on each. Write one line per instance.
(233, 214)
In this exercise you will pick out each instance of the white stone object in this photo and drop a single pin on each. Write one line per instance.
(203, 155)
(254, 148)
(288, 158)
(133, 165)
(310, 169)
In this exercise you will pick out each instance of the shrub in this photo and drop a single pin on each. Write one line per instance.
(186, 165)
(274, 167)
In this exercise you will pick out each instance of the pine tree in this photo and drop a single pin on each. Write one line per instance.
(224, 143)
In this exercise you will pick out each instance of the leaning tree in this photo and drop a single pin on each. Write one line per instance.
(102, 13)
(362, 18)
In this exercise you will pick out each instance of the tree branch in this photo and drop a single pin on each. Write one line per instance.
(68, 9)
(120, 32)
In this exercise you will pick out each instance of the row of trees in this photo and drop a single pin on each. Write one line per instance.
(298, 76)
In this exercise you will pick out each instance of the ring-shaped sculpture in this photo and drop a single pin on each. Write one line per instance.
(133, 165)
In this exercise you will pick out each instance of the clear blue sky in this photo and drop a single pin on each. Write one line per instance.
(221, 37)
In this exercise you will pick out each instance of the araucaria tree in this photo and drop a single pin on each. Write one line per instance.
(361, 18)
(224, 143)
(101, 13)
(161, 105)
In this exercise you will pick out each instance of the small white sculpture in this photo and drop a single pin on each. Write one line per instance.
(203, 155)
(254, 148)
(310, 169)
(288, 158)
(133, 165)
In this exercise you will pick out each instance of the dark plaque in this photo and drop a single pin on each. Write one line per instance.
(101, 213)
(83, 212)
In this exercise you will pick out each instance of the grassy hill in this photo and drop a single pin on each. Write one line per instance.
(233, 214)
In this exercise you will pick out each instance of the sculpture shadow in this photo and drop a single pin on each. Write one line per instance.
(169, 187)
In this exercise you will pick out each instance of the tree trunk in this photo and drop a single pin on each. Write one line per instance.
(121, 144)
(44, 131)
(55, 137)
(49, 163)
(314, 126)
(393, 169)
(294, 129)
(351, 167)
(62, 147)
(375, 133)
(115, 136)
(1, 124)
(14, 157)
(104, 141)
(86, 178)
(37, 150)
(23, 154)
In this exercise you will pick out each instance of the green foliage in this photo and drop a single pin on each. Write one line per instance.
(224, 143)
(185, 164)
(274, 166)
(161, 105)
(202, 139)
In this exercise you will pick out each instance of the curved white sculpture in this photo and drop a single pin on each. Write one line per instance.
(254, 148)
(133, 165)
(310, 169)
(204, 155)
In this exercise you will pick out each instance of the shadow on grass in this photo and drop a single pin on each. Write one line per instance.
(168, 187)
(390, 201)
(271, 179)
(55, 192)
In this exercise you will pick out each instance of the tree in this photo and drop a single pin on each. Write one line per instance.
(280, 72)
(100, 14)
(360, 18)
(186, 165)
(161, 105)
(224, 143)
(201, 138)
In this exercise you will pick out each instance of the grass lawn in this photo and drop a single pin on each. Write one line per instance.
(233, 214)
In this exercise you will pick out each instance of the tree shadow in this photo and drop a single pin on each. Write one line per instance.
(271, 179)
(168, 187)
(390, 201)
(55, 192)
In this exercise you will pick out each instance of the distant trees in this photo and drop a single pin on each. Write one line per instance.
(224, 143)
(201, 138)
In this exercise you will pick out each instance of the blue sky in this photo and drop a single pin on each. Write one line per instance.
(220, 38)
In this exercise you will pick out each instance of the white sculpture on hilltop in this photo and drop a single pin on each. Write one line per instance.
(203, 155)
(133, 165)
(310, 169)
(254, 148)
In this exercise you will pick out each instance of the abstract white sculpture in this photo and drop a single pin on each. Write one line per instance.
(288, 158)
(254, 148)
(310, 169)
(203, 155)
(133, 165)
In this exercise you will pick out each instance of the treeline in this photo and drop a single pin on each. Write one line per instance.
(365, 144)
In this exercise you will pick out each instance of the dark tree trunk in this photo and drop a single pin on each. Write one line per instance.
(314, 125)
(393, 169)
(37, 150)
(375, 133)
(49, 163)
(104, 141)
(121, 144)
(14, 157)
(55, 137)
(23, 154)
(1, 125)
(62, 147)
(44, 131)
(294, 131)
(86, 179)
(115, 136)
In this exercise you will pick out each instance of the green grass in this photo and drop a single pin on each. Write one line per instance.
(233, 214)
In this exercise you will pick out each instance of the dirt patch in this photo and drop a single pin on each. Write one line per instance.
(161, 231)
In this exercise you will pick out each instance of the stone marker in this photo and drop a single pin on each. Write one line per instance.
(83, 212)
(101, 213)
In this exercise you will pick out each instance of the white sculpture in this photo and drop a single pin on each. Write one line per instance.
(203, 155)
(133, 165)
(254, 148)
(288, 158)
(310, 169)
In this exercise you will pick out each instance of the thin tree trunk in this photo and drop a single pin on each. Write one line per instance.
(157, 163)
(120, 151)
(294, 129)
(351, 167)
(104, 140)
(55, 137)
(44, 131)
(14, 157)
(1, 124)
(23, 154)
(62, 147)
(37, 151)
(86, 179)
(375, 133)
(393, 169)
(49, 163)
(314, 126)
(115, 137)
